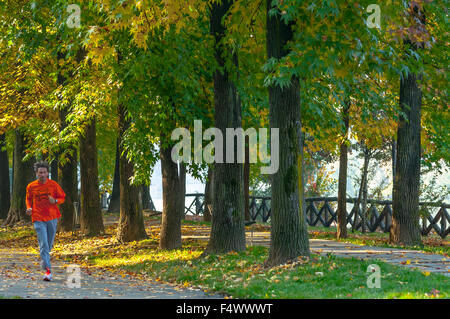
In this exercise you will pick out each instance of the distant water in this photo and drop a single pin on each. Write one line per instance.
(192, 186)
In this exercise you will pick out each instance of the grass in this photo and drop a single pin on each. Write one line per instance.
(17, 232)
(242, 275)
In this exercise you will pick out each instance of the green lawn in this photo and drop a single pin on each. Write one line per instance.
(242, 275)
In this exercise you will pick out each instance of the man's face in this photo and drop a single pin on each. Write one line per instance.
(42, 174)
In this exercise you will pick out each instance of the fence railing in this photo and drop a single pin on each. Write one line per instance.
(321, 211)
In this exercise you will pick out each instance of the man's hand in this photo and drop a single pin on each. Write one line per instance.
(29, 211)
(51, 199)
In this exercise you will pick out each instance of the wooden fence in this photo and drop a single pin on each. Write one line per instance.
(321, 211)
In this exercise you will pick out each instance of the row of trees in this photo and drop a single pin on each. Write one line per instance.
(133, 71)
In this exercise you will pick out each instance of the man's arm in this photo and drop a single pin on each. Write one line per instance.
(29, 200)
(60, 195)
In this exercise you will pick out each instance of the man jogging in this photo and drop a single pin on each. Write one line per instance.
(43, 196)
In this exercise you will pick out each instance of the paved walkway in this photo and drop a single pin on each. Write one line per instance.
(20, 275)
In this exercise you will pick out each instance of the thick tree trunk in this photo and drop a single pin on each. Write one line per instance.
(208, 208)
(23, 175)
(91, 219)
(405, 218)
(67, 175)
(131, 221)
(303, 224)
(227, 226)
(405, 201)
(173, 182)
(342, 188)
(114, 200)
(5, 195)
(67, 169)
(289, 235)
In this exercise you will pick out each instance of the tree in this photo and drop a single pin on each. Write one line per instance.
(145, 197)
(23, 175)
(159, 90)
(342, 188)
(227, 226)
(174, 188)
(91, 221)
(67, 162)
(209, 195)
(5, 195)
(289, 236)
(114, 199)
(247, 180)
(131, 220)
(405, 202)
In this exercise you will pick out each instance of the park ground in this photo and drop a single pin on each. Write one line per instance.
(109, 269)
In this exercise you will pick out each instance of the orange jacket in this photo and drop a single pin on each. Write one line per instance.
(37, 199)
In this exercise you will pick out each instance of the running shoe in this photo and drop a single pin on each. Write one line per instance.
(48, 275)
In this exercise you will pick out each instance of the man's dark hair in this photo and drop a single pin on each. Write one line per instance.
(40, 164)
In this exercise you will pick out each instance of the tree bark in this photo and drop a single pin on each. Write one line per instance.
(67, 169)
(114, 200)
(67, 175)
(182, 194)
(173, 182)
(342, 188)
(131, 221)
(362, 187)
(23, 175)
(289, 235)
(227, 225)
(91, 219)
(208, 208)
(394, 162)
(5, 195)
(364, 191)
(405, 203)
(247, 180)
